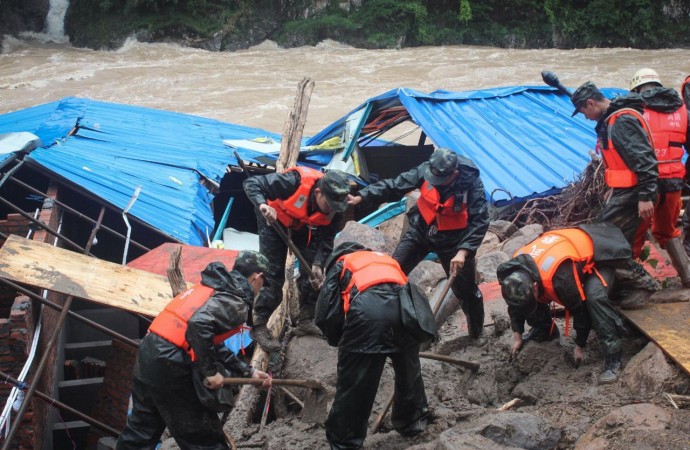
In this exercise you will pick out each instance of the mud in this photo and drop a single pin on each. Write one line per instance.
(560, 404)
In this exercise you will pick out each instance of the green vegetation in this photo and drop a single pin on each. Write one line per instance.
(388, 23)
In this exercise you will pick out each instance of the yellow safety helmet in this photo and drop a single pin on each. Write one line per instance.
(644, 76)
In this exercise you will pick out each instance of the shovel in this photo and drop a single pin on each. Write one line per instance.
(552, 80)
(314, 410)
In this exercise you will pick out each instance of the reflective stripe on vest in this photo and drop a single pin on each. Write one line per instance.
(171, 323)
(617, 173)
(669, 131)
(293, 211)
(369, 269)
(448, 215)
(550, 250)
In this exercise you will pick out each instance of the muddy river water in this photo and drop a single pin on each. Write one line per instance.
(256, 87)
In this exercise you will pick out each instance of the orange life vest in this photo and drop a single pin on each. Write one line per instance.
(550, 250)
(171, 323)
(293, 211)
(618, 174)
(449, 215)
(669, 131)
(369, 269)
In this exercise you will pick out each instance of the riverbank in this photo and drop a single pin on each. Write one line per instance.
(229, 25)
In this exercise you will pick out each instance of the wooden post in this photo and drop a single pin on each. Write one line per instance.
(175, 277)
(248, 397)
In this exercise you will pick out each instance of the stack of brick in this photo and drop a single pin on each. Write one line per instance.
(14, 224)
(113, 398)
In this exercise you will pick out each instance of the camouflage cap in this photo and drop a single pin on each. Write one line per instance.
(251, 261)
(582, 94)
(442, 164)
(517, 291)
(336, 186)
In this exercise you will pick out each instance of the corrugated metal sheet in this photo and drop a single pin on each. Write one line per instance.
(119, 147)
(523, 139)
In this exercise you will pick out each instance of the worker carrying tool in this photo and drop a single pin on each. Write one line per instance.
(360, 310)
(575, 268)
(183, 361)
(667, 117)
(450, 219)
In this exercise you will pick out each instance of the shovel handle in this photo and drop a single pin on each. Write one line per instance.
(311, 384)
(439, 300)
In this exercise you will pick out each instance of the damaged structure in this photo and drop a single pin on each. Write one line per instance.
(125, 184)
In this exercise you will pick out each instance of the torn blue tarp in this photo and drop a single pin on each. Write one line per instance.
(109, 149)
(523, 138)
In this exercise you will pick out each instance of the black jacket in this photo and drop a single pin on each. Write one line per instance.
(478, 221)
(261, 188)
(666, 100)
(372, 325)
(632, 143)
(161, 363)
(610, 249)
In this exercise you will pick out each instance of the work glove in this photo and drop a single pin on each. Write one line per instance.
(317, 277)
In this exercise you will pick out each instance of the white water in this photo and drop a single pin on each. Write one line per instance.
(256, 87)
(55, 20)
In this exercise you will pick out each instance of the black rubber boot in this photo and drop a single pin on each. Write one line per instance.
(542, 334)
(265, 339)
(611, 370)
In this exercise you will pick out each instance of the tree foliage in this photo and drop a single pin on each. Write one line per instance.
(396, 23)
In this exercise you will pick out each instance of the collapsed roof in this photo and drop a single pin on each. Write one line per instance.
(523, 139)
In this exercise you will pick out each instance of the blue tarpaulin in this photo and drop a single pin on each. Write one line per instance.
(523, 138)
(109, 149)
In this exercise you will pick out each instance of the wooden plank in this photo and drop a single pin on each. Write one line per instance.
(193, 260)
(668, 325)
(60, 270)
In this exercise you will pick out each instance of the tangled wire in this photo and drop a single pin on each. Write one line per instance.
(576, 204)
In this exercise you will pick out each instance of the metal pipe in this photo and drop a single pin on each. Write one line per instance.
(64, 407)
(10, 172)
(46, 227)
(129, 227)
(74, 211)
(99, 200)
(72, 314)
(48, 351)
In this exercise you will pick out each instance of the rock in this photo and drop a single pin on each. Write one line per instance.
(427, 276)
(368, 236)
(640, 418)
(513, 429)
(393, 228)
(490, 243)
(487, 264)
(648, 372)
(457, 439)
(502, 228)
(522, 237)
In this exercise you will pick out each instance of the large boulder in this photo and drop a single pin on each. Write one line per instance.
(648, 373)
(522, 237)
(513, 429)
(487, 264)
(368, 236)
(631, 423)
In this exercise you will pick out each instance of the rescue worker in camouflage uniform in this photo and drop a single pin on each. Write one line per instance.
(309, 204)
(450, 219)
(191, 330)
(358, 311)
(574, 267)
(667, 117)
(624, 142)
